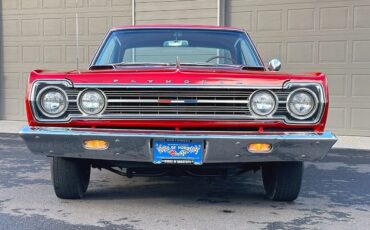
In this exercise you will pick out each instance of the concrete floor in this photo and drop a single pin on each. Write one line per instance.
(335, 195)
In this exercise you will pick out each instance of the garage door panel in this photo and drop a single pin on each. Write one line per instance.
(11, 27)
(333, 51)
(361, 17)
(269, 20)
(12, 81)
(171, 6)
(176, 12)
(301, 19)
(10, 54)
(334, 18)
(241, 19)
(71, 53)
(360, 85)
(337, 118)
(361, 51)
(9, 4)
(360, 118)
(337, 85)
(12, 106)
(31, 27)
(300, 52)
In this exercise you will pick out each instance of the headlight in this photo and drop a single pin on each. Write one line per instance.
(302, 103)
(52, 101)
(92, 101)
(262, 103)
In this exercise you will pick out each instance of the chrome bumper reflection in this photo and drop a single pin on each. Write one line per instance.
(136, 145)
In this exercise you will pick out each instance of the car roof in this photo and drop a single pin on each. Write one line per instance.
(174, 26)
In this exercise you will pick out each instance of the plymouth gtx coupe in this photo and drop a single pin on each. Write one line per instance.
(178, 101)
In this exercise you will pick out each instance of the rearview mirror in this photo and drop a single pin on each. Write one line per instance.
(176, 43)
(274, 65)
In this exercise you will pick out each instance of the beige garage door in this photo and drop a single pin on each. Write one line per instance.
(312, 35)
(41, 34)
(176, 12)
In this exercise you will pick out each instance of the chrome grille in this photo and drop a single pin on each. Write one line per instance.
(177, 102)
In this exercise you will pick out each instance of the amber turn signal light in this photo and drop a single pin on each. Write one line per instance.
(259, 148)
(95, 144)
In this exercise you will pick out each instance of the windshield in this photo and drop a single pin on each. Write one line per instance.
(187, 46)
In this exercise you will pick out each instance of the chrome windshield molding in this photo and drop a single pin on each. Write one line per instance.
(182, 28)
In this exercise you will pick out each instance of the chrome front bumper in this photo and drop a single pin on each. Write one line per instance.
(136, 145)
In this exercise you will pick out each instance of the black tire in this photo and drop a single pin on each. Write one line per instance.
(70, 177)
(282, 180)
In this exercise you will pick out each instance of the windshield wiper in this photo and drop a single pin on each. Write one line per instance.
(243, 67)
(112, 66)
(206, 64)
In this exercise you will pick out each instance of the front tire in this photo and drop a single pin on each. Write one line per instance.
(282, 180)
(70, 177)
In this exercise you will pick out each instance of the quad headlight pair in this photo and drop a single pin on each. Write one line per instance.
(53, 101)
(301, 103)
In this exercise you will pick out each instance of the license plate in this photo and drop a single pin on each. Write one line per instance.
(177, 152)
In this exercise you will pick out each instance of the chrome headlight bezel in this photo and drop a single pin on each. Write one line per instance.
(271, 112)
(87, 113)
(42, 109)
(314, 108)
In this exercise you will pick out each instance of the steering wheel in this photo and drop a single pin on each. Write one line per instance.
(219, 57)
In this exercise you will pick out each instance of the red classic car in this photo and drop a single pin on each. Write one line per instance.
(178, 100)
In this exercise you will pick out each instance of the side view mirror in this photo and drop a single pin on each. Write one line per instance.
(274, 65)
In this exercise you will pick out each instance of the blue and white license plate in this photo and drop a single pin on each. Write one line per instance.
(178, 152)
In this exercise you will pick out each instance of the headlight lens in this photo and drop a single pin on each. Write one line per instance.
(302, 103)
(262, 103)
(92, 102)
(52, 101)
